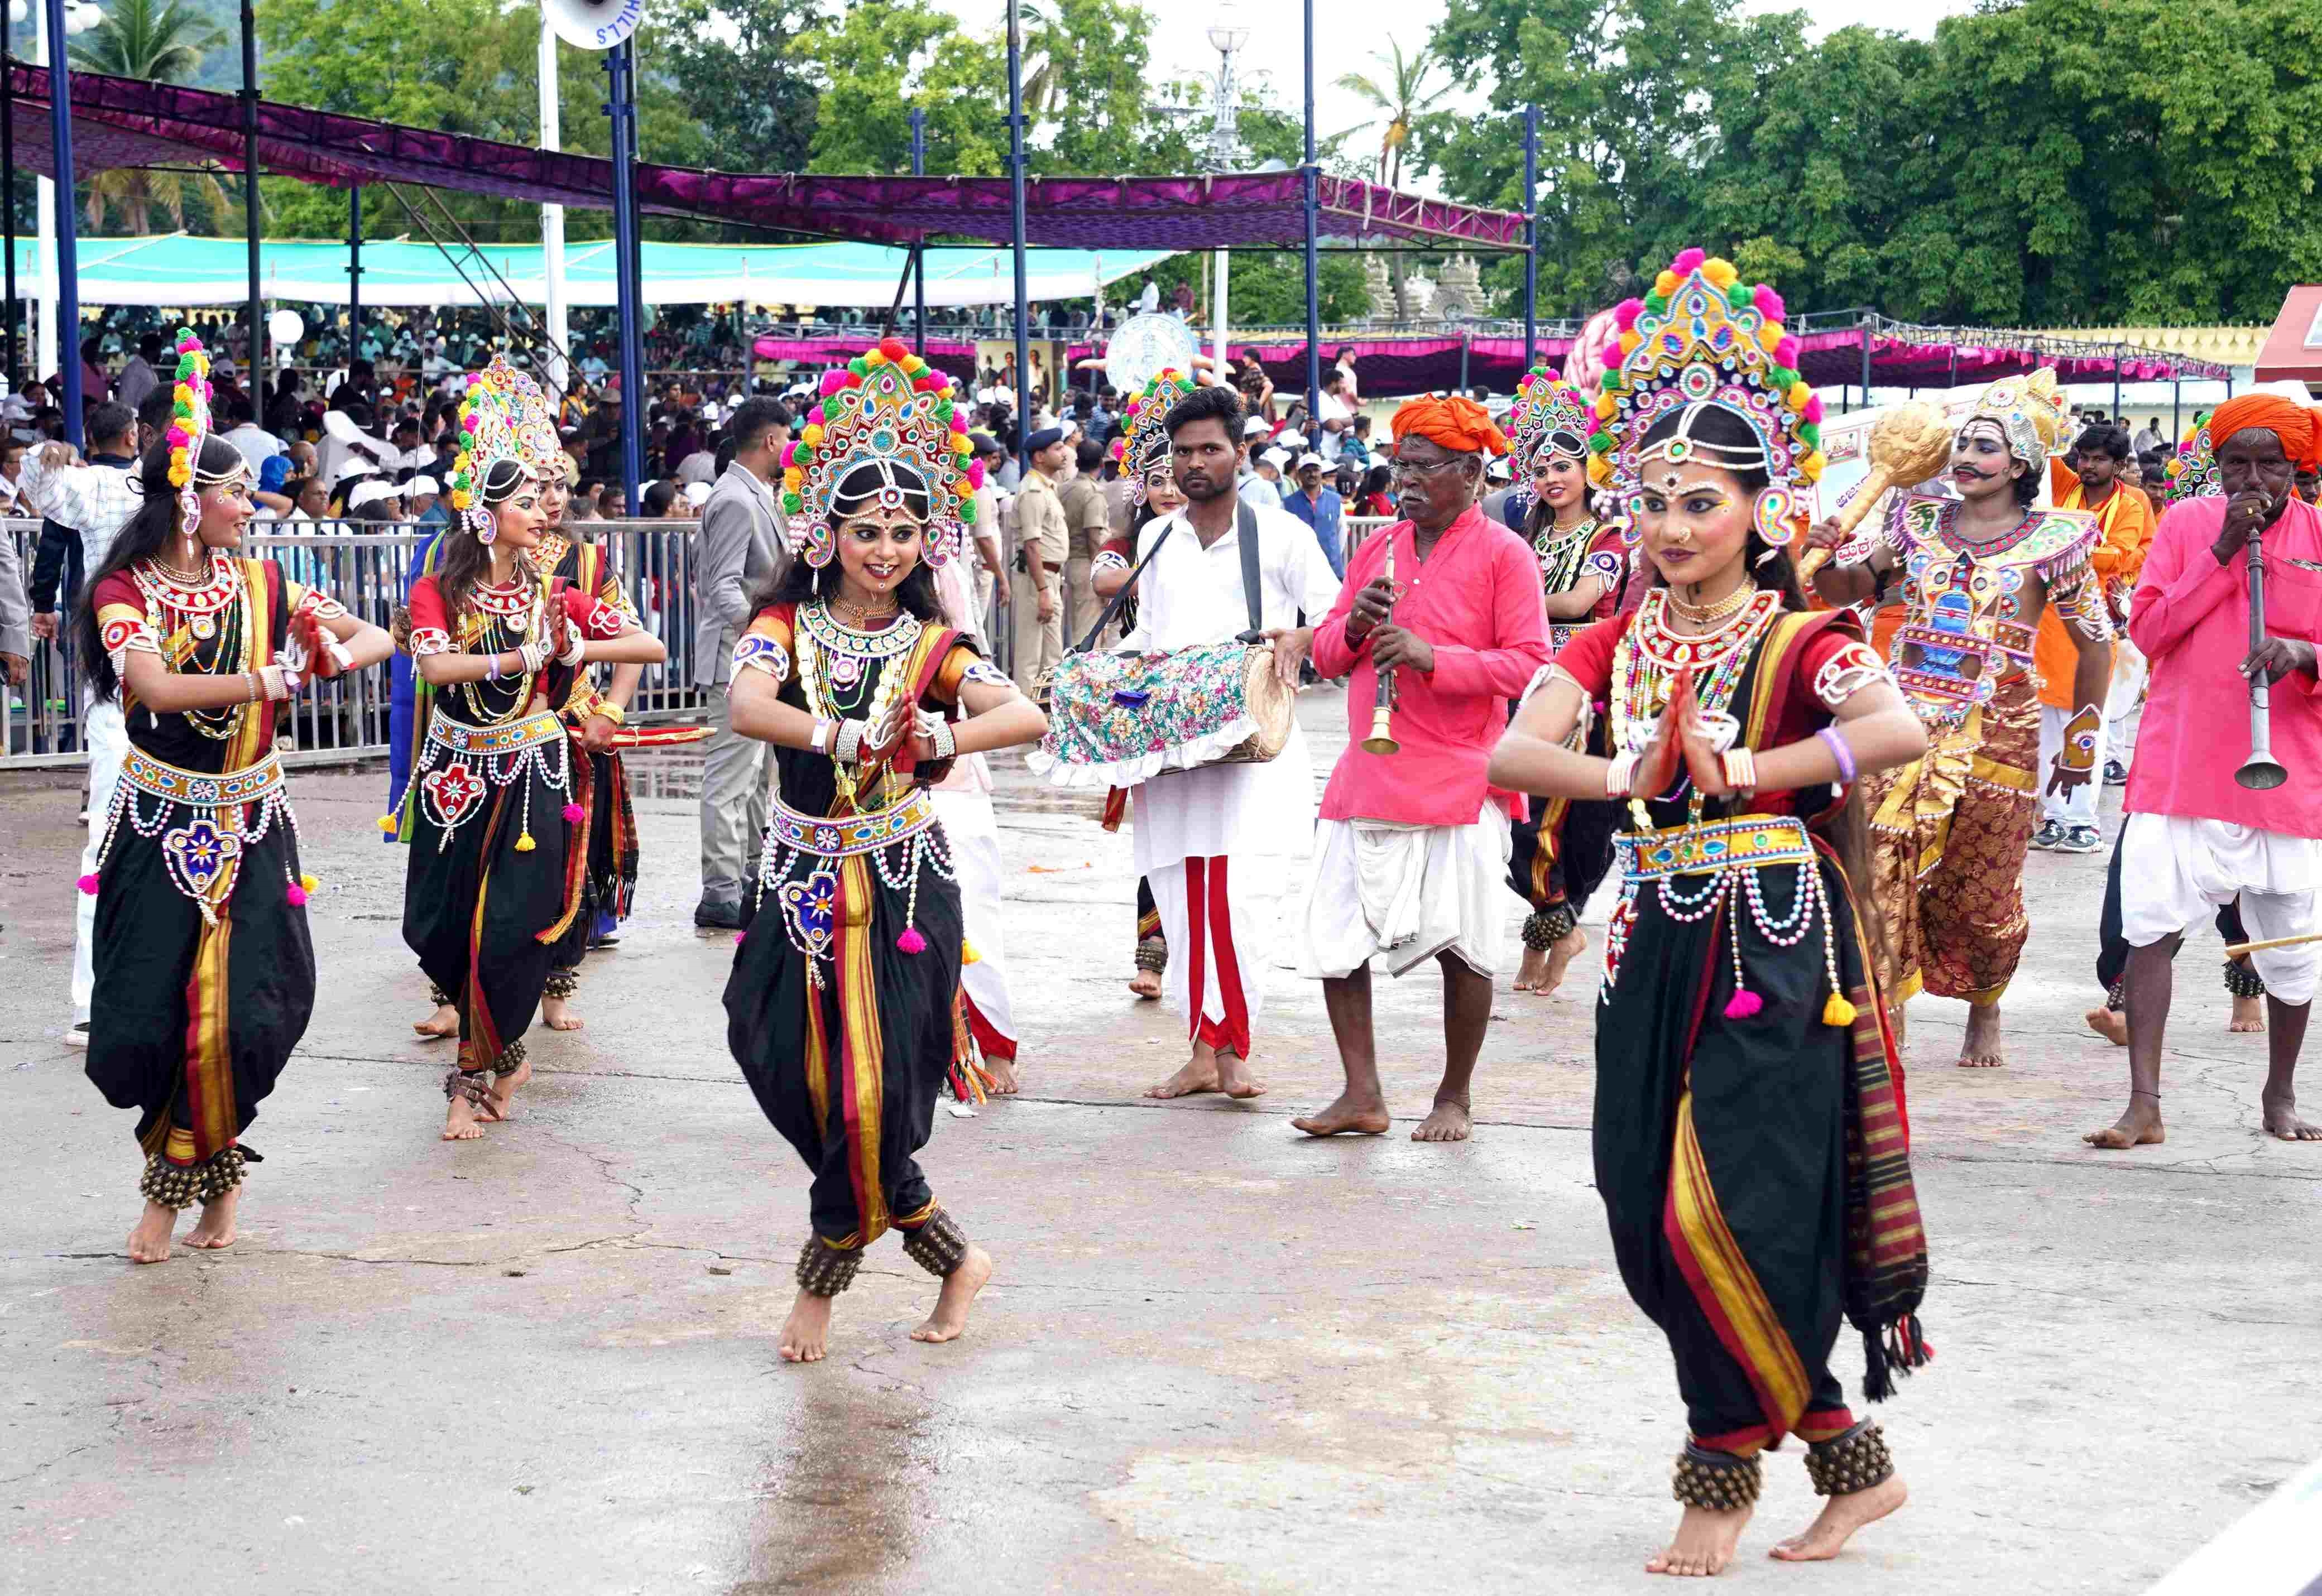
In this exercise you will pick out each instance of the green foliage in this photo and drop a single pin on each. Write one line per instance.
(2040, 162)
(161, 40)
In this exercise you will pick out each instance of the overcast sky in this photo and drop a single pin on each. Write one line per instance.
(1349, 35)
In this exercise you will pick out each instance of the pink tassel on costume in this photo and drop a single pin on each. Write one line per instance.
(572, 813)
(1743, 1005)
(911, 941)
(88, 884)
(297, 895)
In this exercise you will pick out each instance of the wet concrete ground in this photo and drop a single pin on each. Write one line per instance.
(1217, 1356)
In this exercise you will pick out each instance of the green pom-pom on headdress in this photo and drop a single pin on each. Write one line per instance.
(1741, 298)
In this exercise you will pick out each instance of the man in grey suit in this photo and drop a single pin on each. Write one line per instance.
(737, 555)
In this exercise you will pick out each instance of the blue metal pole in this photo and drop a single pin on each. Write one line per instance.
(621, 109)
(250, 212)
(1016, 183)
(66, 287)
(1531, 234)
(354, 275)
(919, 250)
(1314, 266)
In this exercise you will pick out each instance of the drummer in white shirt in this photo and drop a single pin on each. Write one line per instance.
(1220, 844)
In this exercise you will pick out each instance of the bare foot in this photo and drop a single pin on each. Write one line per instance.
(2139, 1125)
(556, 1013)
(1234, 1078)
(2281, 1121)
(1704, 1543)
(1003, 1076)
(1447, 1122)
(2249, 1016)
(150, 1242)
(460, 1121)
(806, 1331)
(2110, 1024)
(1364, 1116)
(1146, 983)
(1200, 1074)
(948, 1322)
(502, 1106)
(1840, 1516)
(1980, 1049)
(445, 1022)
(1529, 972)
(216, 1232)
(1569, 947)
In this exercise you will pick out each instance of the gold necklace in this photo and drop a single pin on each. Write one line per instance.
(864, 612)
(1709, 615)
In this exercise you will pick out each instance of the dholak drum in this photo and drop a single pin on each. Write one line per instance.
(1116, 718)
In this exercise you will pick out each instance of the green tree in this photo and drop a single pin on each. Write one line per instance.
(162, 40)
(735, 65)
(874, 61)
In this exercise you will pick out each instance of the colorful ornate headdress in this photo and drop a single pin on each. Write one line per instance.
(1549, 418)
(498, 420)
(888, 408)
(189, 426)
(2193, 472)
(2029, 412)
(1700, 340)
(1146, 438)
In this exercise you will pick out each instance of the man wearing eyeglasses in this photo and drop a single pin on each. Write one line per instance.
(1410, 856)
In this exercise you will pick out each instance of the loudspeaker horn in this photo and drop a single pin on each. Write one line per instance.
(593, 24)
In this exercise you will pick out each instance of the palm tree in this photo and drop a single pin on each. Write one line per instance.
(1397, 101)
(159, 40)
(163, 42)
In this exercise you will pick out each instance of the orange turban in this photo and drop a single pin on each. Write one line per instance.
(2286, 420)
(1461, 425)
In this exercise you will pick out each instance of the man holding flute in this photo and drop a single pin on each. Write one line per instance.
(1438, 625)
(2195, 836)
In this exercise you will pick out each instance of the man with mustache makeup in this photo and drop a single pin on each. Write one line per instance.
(1950, 829)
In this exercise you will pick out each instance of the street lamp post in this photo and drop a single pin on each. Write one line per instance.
(1225, 150)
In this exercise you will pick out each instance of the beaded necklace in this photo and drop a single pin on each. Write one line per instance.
(1561, 552)
(1650, 656)
(844, 673)
(212, 611)
(497, 619)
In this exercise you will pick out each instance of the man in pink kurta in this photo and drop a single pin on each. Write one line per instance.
(2196, 837)
(1411, 853)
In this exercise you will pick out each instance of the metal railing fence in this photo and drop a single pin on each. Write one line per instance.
(363, 566)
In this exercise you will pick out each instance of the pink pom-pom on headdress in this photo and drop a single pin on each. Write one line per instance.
(189, 344)
(1813, 412)
(790, 455)
(1625, 313)
(832, 381)
(179, 438)
(817, 415)
(1769, 302)
(975, 473)
(1787, 352)
(1688, 260)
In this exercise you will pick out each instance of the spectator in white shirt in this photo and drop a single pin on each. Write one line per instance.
(257, 445)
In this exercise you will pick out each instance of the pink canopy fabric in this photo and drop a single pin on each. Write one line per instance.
(127, 122)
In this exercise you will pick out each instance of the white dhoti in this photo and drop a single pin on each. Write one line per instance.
(2175, 869)
(1405, 893)
(964, 805)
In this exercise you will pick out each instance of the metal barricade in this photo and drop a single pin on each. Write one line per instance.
(363, 565)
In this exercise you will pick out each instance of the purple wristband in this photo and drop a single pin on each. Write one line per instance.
(1840, 751)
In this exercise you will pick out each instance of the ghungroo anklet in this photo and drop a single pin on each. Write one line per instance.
(1544, 928)
(438, 996)
(937, 1247)
(1153, 953)
(511, 1058)
(825, 1271)
(1855, 1461)
(1718, 1482)
(221, 1174)
(561, 983)
(175, 1186)
(2242, 979)
(468, 1084)
(2117, 994)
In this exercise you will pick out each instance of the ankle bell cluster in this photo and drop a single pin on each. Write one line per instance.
(1855, 1461)
(825, 1271)
(1715, 1482)
(938, 1247)
(179, 1186)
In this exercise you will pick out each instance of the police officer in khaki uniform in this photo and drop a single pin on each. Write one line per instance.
(1043, 542)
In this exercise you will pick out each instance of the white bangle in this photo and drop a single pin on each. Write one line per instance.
(823, 730)
(572, 656)
(850, 741)
(1620, 774)
(947, 746)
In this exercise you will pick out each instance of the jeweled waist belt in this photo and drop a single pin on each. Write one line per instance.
(509, 737)
(838, 838)
(161, 780)
(1745, 841)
